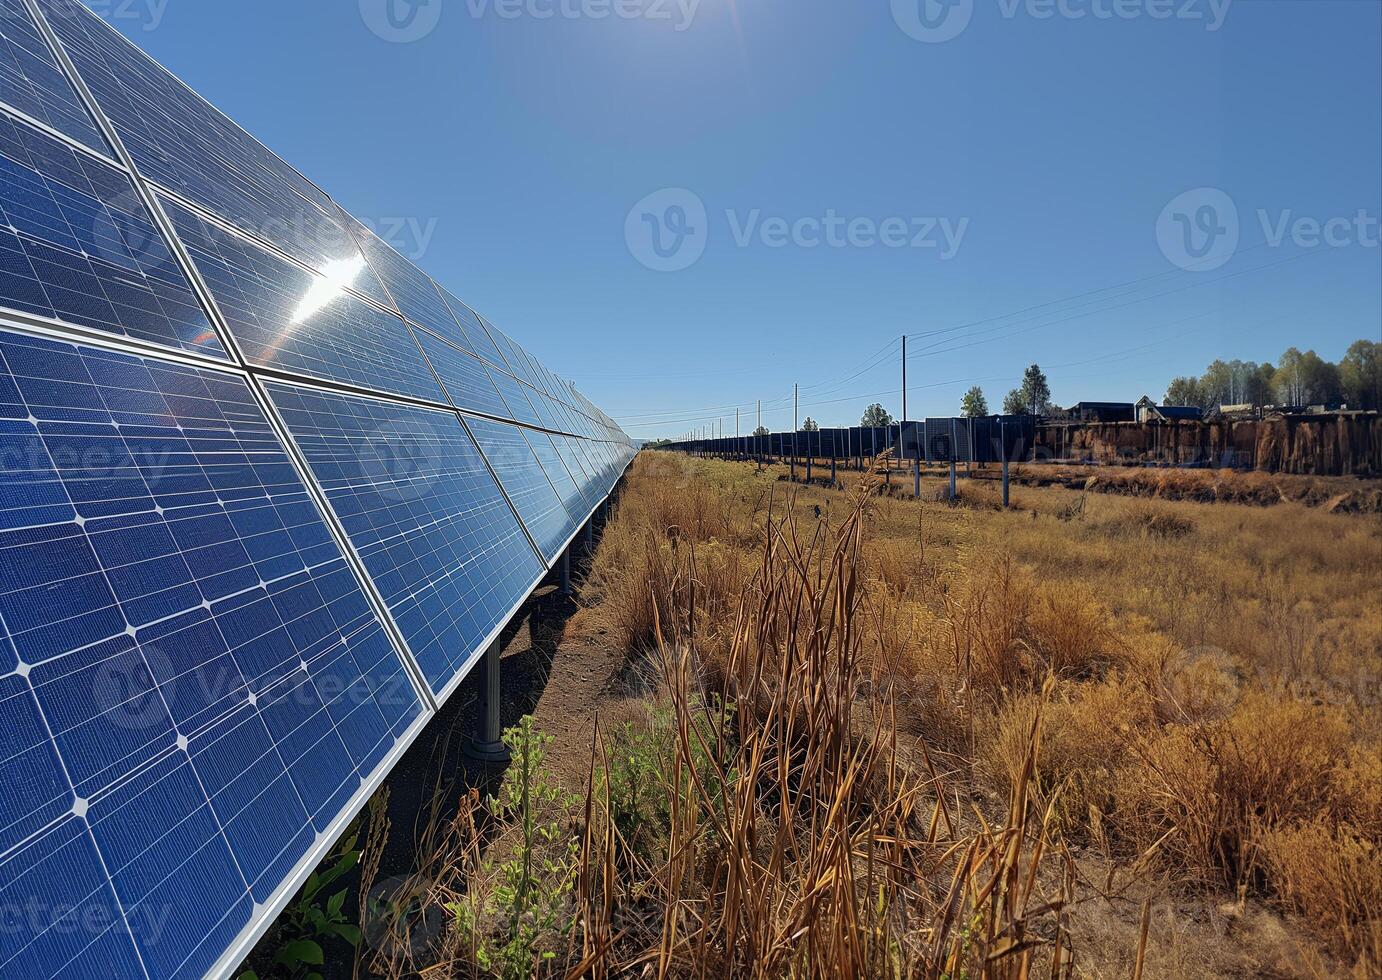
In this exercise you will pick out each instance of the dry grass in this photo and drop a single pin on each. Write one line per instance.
(894, 737)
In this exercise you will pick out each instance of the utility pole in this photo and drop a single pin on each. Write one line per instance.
(904, 378)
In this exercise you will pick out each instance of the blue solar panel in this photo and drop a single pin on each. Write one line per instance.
(464, 377)
(190, 674)
(477, 337)
(288, 319)
(77, 245)
(32, 82)
(527, 485)
(572, 457)
(571, 497)
(178, 140)
(425, 515)
(414, 293)
(516, 397)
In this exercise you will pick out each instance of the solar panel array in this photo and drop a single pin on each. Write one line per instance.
(267, 491)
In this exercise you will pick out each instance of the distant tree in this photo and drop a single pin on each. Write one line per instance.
(657, 443)
(1015, 403)
(1257, 388)
(1186, 391)
(1224, 381)
(876, 416)
(1306, 379)
(810, 425)
(974, 405)
(761, 431)
(1036, 392)
(1360, 375)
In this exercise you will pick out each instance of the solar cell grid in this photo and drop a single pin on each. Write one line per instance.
(425, 515)
(526, 484)
(516, 398)
(32, 82)
(477, 337)
(465, 379)
(77, 245)
(414, 293)
(288, 319)
(181, 142)
(571, 497)
(192, 676)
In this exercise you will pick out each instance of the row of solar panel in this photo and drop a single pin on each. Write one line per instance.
(193, 684)
(227, 600)
(302, 287)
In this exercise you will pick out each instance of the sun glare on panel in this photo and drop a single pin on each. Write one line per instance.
(336, 276)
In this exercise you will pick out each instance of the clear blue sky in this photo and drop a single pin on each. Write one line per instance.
(1053, 143)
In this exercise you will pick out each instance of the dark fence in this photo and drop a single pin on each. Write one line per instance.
(985, 440)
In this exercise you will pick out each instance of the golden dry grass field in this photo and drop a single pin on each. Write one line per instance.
(864, 735)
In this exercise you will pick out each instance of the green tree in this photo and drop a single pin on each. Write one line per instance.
(1015, 403)
(810, 425)
(1036, 392)
(1257, 388)
(1306, 379)
(876, 416)
(761, 431)
(974, 405)
(1360, 374)
(1187, 391)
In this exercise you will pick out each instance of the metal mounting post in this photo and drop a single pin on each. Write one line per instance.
(488, 746)
(566, 572)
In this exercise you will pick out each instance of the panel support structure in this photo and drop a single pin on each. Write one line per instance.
(488, 745)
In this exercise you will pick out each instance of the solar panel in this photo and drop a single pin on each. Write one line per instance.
(288, 319)
(199, 684)
(516, 398)
(465, 379)
(180, 141)
(77, 245)
(31, 81)
(424, 514)
(190, 675)
(524, 480)
(414, 293)
(557, 473)
(477, 337)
